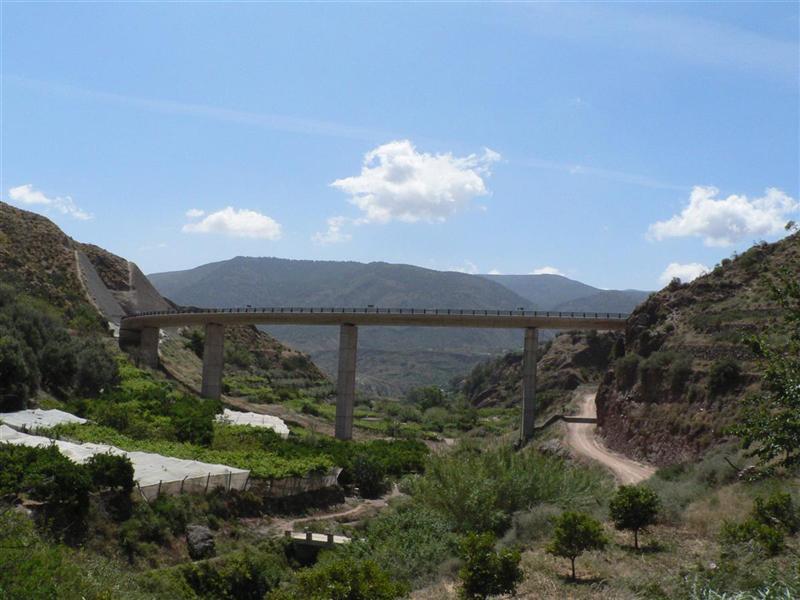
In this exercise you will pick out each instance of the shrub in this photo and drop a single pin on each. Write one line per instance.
(634, 508)
(243, 575)
(17, 375)
(769, 539)
(626, 370)
(724, 376)
(480, 490)
(487, 572)
(574, 534)
(195, 341)
(369, 475)
(679, 373)
(96, 369)
(193, 419)
(59, 366)
(341, 579)
(110, 471)
(778, 511)
(426, 397)
(238, 356)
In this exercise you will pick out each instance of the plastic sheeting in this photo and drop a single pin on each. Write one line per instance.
(36, 418)
(234, 417)
(154, 474)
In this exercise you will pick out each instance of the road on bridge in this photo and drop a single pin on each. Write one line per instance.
(581, 437)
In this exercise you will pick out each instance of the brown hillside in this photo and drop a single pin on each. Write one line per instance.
(686, 367)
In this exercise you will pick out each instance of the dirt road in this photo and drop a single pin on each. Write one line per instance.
(580, 436)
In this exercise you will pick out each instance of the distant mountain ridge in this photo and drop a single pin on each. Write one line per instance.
(273, 281)
(556, 292)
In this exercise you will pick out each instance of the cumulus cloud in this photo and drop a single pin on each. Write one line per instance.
(546, 271)
(27, 195)
(495, 272)
(725, 221)
(684, 272)
(334, 233)
(399, 183)
(468, 267)
(195, 213)
(237, 223)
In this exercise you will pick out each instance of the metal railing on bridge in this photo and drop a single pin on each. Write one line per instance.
(390, 311)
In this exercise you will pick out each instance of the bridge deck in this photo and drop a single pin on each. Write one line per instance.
(427, 317)
(317, 539)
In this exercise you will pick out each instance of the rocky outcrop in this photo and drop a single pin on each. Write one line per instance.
(685, 368)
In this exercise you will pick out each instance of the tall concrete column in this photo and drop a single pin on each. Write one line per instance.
(346, 381)
(148, 347)
(213, 359)
(529, 358)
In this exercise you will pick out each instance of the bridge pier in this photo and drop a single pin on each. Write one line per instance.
(346, 381)
(148, 346)
(529, 358)
(213, 360)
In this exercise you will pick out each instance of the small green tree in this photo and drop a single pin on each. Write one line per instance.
(487, 572)
(574, 534)
(634, 508)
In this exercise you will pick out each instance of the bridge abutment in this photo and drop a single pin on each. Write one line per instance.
(213, 361)
(529, 357)
(346, 381)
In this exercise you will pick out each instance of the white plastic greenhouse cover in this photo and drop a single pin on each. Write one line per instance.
(36, 418)
(155, 474)
(234, 417)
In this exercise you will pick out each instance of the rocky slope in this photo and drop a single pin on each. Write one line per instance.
(570, 360)
(685, 368)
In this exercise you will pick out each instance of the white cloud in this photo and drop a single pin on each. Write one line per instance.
(334, 233)
(495, 272)
(546, 271)
(725, 221)
(469, 268)
(399, 183)
(237, 223)
(195, 213)
(28, 196)
(685, 273)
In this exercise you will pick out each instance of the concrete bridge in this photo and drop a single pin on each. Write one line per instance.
(140, 332)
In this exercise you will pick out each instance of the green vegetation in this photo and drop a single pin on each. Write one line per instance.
(487, 572)
(769, 522)
(38, 352)
(574, 534)
(634, 508)
(480, 490)
(724, 376)
(341, 579)
(771, 427)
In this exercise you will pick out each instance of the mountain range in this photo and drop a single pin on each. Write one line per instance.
(395, 362)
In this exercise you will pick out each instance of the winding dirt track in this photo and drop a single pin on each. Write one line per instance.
(581, 437)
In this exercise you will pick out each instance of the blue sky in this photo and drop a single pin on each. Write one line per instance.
(604, 141)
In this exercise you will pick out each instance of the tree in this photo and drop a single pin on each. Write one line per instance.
(634, 508)
(487, 572)
(17, 379)
(574, 534)
(770, 425)
(97, 370)
(368, 474)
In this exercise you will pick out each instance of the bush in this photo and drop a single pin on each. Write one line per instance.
(243, 575)
(369, 475)
(425, 398)
(478, 491)
(59, 366)
(724, 376)
(195, 341)
(574, 534)
(750, 531)
(110, 471)
(778, 511)
(341, 579)
(679, 374)
(17, 376)
(487, 572)
(626, 370)
(634, 508)
(96, 369)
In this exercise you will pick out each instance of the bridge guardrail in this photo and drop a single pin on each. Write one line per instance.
(389, 311)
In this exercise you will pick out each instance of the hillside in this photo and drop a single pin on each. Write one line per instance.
(90, 285)
(570, 360)
(392, 366)
(686, 368)
(556, 292)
